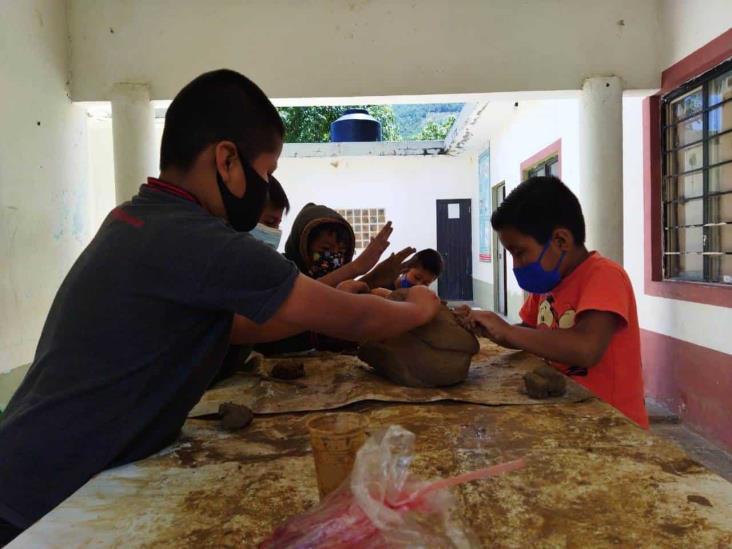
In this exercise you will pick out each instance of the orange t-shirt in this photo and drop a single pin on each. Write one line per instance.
(598, 284)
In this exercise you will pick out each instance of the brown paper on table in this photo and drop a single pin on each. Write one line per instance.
(332, 381)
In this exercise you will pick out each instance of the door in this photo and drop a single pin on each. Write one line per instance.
(499, 265)
(454, 242)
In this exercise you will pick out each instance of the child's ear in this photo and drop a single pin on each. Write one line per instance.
(563, 238)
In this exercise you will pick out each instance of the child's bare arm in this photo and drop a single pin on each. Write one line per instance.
(316, 307)
(582, 345)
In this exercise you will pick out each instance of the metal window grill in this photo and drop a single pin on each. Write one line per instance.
(697, 179)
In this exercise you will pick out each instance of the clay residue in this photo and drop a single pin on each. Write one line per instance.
(288, 369)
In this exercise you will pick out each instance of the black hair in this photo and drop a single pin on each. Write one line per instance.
(217, 106)
(340, 231)
(538, 206)
(429, 259)
(277, 196)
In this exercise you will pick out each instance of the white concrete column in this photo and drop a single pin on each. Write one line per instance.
(601, 164)
(133, 129)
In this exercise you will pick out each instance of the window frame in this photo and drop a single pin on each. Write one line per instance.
(695, 64)
(548, 156)
(702, 81)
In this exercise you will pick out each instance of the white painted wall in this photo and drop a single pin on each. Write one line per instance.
(686, 25)
(406, 186)
(44, 193)
(528, 129)
(704, 325)
(334, 48)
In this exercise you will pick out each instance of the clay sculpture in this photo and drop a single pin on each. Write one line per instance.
(437, 354)
(544, 382)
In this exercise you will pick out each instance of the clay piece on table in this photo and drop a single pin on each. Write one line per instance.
(545, 382)
(288, 369)
(234, 416)
(437, 354)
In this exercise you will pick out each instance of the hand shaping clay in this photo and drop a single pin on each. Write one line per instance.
(234, 416)
(434, 355)
(544, 382)
(288, 369)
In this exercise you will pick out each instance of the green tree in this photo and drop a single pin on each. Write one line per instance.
(312, 124)
(436, 130)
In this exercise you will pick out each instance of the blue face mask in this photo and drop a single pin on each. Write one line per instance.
(534, 279)
(271, 237)
(404, 281)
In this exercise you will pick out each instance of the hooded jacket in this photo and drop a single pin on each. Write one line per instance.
(296, 250)
(310, 217)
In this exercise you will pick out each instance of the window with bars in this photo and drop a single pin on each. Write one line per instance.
(550, 166)
(697, 179)
(366, 223)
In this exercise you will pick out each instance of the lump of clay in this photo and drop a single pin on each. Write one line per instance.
(234, 416)
(544, 382)
(288, 369)
(437, 354)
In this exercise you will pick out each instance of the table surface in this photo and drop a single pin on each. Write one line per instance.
(592, 478)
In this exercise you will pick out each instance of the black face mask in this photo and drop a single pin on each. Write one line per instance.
(244, 212)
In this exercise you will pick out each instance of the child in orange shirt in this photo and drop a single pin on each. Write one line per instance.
(581, 315)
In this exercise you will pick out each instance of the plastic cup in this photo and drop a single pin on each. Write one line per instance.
(335, 438)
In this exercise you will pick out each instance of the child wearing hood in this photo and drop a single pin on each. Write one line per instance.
(322, 245)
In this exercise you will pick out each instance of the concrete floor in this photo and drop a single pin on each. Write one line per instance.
(667, 425)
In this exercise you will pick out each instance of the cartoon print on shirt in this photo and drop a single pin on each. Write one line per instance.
(548, 316)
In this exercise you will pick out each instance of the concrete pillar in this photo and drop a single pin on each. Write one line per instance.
(601, 164)
(133, 129)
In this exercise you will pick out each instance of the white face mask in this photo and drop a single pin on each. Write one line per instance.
(271, 237)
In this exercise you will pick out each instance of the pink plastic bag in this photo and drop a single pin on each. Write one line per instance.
(381, 505)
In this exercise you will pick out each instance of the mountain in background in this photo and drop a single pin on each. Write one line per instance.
(410, 119)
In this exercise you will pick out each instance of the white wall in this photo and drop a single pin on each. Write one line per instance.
(44, 193)
(532, 126)
(334, 48)
(406, 186)
(704, 325)
(686, 25)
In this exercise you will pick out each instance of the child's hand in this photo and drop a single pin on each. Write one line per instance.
(378, 245)
(381, 292)
(427, 302)
(490, 325)
(388, 270)
(353, 287)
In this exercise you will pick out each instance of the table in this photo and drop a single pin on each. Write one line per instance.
(592, 478)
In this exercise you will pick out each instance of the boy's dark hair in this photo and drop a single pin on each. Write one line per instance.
(217, 106)
(538, 206)
(277, 196)
(340, 231)
(429, 259)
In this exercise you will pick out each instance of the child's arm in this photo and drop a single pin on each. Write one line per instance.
(582, 345)
(316, 307)
(364, 262)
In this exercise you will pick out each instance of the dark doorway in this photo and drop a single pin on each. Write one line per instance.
(454, 242)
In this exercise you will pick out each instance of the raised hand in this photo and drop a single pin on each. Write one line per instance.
(384, 274)
(378, 245)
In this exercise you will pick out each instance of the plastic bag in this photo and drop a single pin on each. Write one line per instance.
(382, 505)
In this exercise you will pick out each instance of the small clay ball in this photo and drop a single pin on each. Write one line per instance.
(234, 416)
(544, 382)
(288, 369)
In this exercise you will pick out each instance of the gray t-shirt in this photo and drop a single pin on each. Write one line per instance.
(135, 334)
